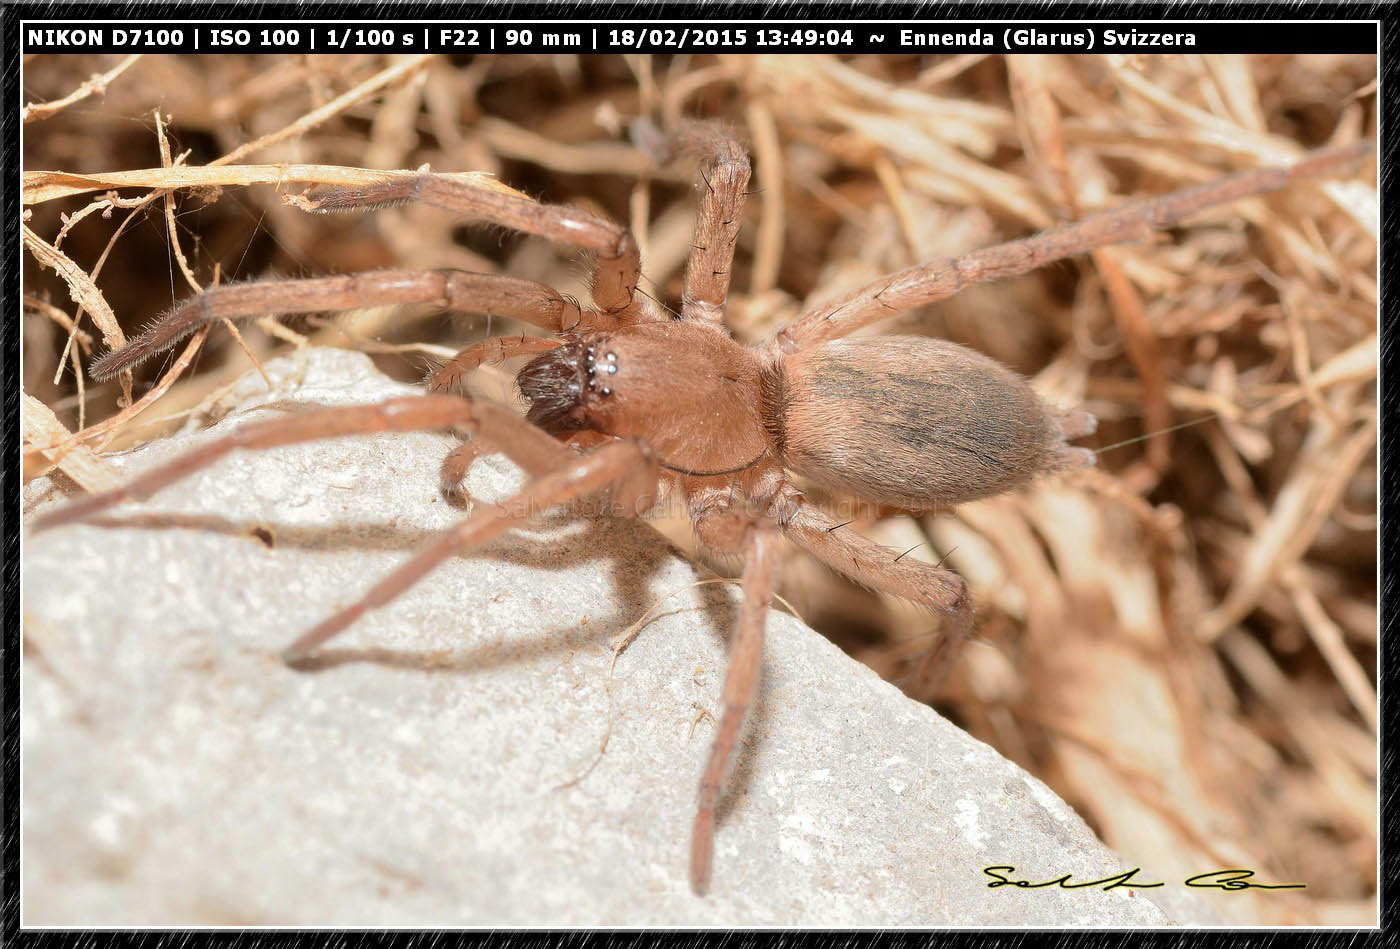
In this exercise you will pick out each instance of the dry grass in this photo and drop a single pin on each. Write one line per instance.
(1182, 642)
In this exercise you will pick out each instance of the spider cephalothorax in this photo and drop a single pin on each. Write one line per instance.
(613, 383)
(649, 401)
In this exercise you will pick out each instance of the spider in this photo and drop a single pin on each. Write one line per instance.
(630, 401)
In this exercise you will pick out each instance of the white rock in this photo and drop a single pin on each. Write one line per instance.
(175, 772)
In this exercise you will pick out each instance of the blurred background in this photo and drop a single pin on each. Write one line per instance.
(1181, 642)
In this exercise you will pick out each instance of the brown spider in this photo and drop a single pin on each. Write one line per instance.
(627, 400)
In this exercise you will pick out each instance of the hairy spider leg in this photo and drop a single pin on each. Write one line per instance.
(725, 172)
(618, 264)
(869, 564)
(522, 442)
(495, 350)
(524, 300)
(740, 685)
(916, 286)
(449, 379)
(585, 475)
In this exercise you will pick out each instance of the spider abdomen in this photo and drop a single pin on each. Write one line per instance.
(913, 421)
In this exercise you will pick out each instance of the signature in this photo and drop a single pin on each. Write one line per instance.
(1230, 879)
(1237, 880)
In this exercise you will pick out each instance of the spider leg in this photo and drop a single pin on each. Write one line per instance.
(525, 300)
(497, 349)
(926, 283)
(535, 457)
(871, 565)
(725, 171)
(740, 684)
(581, 476)
(520, 439)
(619, 261)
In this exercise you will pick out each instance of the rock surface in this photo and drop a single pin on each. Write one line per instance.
(439, 764)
